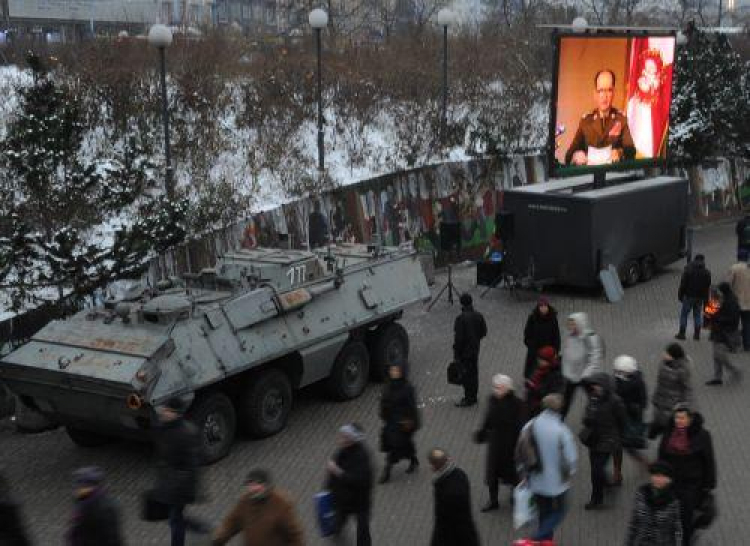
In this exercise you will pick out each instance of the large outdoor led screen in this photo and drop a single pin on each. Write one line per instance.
(610, 102)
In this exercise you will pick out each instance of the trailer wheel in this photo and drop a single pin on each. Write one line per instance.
(215, 418)
(350, 371)
(86, 438)
(265, 403)
(389, 345)
(647, 268)
(631, 273)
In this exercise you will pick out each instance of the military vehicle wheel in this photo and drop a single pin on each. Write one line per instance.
(647, 268)
(631, 273)
(349, 375)
(265, 403)
(216, 421)
(389, 345)
(86, 438)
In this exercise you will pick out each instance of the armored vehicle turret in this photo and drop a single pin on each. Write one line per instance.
(234, 341)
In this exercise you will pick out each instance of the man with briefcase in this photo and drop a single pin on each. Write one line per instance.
(469, 328)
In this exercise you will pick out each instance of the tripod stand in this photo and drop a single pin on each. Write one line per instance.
(449, 286)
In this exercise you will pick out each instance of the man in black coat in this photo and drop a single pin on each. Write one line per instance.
(95, 519)
(604, 420)
(178, 447)
(350, 481)
(469, 329)
(725, 334)
(12, 531)
(454, 524)
(742, 229)
(693, 294)
(541, 330)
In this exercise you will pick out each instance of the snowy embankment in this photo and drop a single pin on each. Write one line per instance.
(394, 139)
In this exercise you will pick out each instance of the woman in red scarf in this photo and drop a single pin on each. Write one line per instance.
(688, 447)
(546, 379)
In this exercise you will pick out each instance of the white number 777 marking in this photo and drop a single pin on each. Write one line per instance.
(296, 274)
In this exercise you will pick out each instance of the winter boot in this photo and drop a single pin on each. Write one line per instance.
(413, 464)
(697, 334)
(386, 475)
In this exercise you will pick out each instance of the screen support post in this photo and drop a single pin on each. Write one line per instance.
(600, 180)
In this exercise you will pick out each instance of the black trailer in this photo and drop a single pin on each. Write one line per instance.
(564, 232)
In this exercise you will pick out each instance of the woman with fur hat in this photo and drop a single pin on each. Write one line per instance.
(546, 379)
(674, 384)
(501, 426)
(400, 415)
(631, 388)
(655, 520)
(688, 448)
(541, 330)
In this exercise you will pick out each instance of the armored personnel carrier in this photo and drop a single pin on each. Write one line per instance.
(233, 341)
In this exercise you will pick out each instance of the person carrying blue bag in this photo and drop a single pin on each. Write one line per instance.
(350, 481)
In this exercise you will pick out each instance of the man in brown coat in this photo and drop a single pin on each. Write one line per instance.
(264, 515)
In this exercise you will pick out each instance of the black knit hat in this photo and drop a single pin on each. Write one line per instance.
(662, 468)
(676, 351)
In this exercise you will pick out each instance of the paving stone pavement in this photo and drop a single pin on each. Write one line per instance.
(39, 465)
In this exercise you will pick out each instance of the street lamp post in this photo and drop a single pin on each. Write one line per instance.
(579, 25)
(160, 37)
(445, 19)
(319, 20)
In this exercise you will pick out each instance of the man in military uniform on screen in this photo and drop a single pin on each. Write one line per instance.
(603, 136)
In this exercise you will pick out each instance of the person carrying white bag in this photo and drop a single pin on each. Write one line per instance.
(546, 457)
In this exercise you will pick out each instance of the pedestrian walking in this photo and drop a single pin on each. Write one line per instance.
(739, 280)
(546, 379)
(556, 454)
(469, 328)
(655, 520)
(454, 523)
(501, 425)
(178, 451)
(264, 515)
(725, 336)
(400, 415)
(631, 388)
(603, 424)
(541, 330)
(12, 528)
(350, 481)
(674, 384)
(688, 448)
(742, 229)
(693, 293)
(95, 520)
(582, 355)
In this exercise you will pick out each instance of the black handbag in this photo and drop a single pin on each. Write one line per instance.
(634, 435)
(455, 373)
(705, 512)
(152, 509)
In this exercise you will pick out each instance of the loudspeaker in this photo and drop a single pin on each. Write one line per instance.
(504, 225)
(450, 236)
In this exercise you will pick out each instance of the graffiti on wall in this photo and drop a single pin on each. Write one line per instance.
(398, 208)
